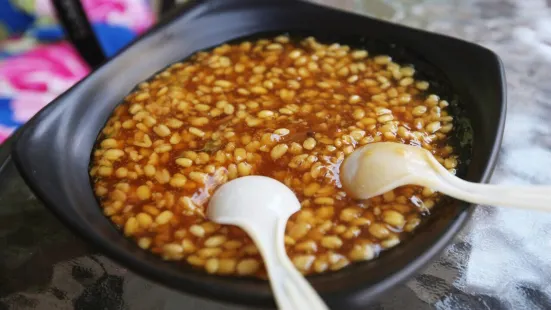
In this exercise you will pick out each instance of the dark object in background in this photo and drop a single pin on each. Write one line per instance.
(53, 150)
(79, 31)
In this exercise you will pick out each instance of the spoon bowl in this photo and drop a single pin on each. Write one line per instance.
(257, 197)
(377, 168)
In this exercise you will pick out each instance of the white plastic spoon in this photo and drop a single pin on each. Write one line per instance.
(261, 206)
(380, 167)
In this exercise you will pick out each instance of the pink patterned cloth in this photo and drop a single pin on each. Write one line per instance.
(31, 80)
(5, 133)
(49, 69)
(130, 13)
(33, 74)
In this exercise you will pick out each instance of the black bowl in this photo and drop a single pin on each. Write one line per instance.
(53, 151)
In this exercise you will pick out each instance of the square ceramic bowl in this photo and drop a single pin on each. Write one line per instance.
(53, 150)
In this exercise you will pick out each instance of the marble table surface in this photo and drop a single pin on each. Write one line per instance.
(500, 260)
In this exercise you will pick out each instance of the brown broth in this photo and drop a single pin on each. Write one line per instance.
(226, 113)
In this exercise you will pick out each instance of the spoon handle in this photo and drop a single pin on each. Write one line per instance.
(526, 197)
(292, 291)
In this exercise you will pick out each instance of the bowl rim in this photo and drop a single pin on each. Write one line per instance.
(399, 276)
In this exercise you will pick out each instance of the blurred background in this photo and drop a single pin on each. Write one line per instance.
(36, 61)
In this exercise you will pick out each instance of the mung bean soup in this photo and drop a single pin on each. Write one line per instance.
(287, 109)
